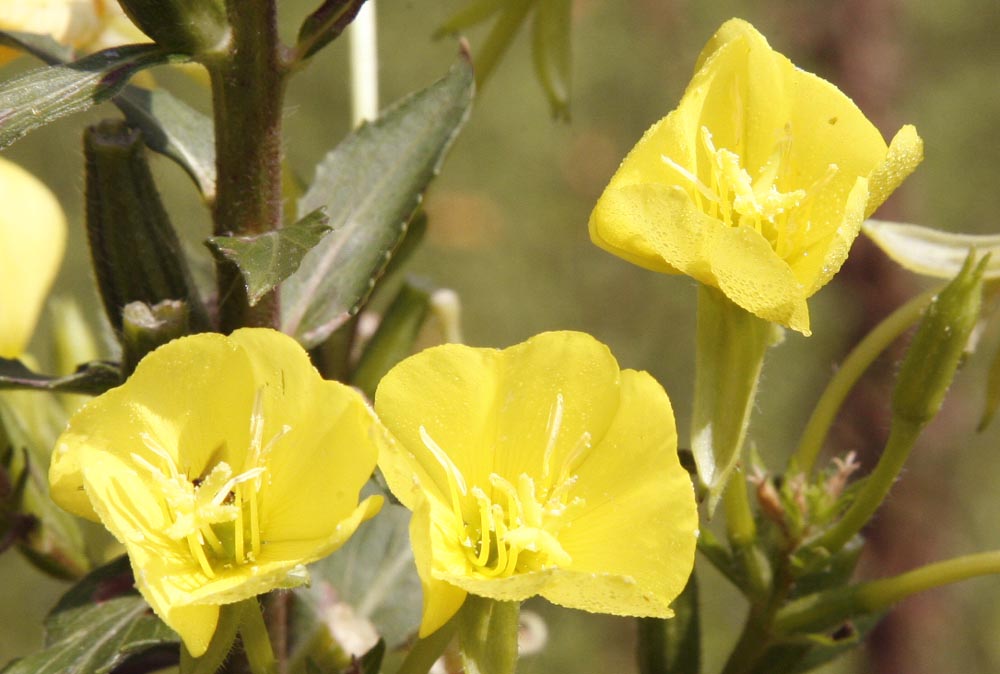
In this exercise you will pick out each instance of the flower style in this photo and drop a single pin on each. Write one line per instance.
(32, 241)
(223, 465)
(540, 469)
(757, 184)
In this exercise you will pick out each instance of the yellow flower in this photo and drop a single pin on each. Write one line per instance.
(32, 240)
(757, 184)
(223, 465)
(84, 25)
(540, 469)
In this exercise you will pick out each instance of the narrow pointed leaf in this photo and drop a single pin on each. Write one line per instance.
(91, 378)
(170, 126)
(370, 185)
(551, 52)
(175, 130)
(931, 252)
(475, 12)
(672, 646)
(373, 574)
(326, 24)
(46, 94)
(265, 260)
(393, 341)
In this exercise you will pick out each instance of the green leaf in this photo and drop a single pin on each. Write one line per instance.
(95, 626)
(175, 130)
(673, 645)
(370, 185)
(46, 94)
(932, 252)
(169, 126)
(267, 259)
(91, 378)
(374, 574)
(467, 17)
(325, 25)
(551, 52)
(371, 662)
(393, 341)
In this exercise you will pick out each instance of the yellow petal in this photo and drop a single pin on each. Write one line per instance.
(70, 22)
(906, 151)
(632, 541)
(441, 600)
(32, 240)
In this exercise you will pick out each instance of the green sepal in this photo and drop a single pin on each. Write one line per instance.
(487, 635)
(219, 648)
(672, 646)
(393, 340)
(265, 260)
(325, 25)
(552, 52)
(939, 345)
(731, 343)
(43, 95)
(136, 254)
(186, 26)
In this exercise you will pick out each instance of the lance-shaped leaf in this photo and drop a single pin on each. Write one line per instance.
(169, 126)
(267, 259)
(175, 130)
(137, 256)
(90, 633)
(326, 24)
(45, 94)
(90, 378)
(931, 252)
(551, 52)
(393, 341)
(370, 185)
(373, 575)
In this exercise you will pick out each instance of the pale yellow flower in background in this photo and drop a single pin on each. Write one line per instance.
(32, 242)
(223, 465)
(542, 469)
(85, 25)
(757, 184)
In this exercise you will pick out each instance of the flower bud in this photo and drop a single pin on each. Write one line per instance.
(938, 346)
(188, 26)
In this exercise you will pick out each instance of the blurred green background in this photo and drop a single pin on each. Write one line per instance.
(508, 232)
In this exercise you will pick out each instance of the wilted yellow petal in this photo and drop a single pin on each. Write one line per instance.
(69, 22)
(224, 464)
(523, 467)
(759, 147)
(32, 240)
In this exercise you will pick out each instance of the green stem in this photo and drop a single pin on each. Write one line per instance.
(256, 642)
(867, 350)
(426, 651)
(248, 84)
(902, 436)
(742, 533)
(825, 609)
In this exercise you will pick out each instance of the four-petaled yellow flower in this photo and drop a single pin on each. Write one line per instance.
(223, 465)
(541, 469)
(757, 184)
(32, 240)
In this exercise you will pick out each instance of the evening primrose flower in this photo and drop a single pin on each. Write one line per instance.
(540, 469)
(223, 465)
(32, 242)
(757, 184)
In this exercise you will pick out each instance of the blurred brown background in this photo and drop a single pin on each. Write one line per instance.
(508, 232)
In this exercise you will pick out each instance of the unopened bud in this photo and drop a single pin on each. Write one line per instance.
(188, 26)
(937, 348)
